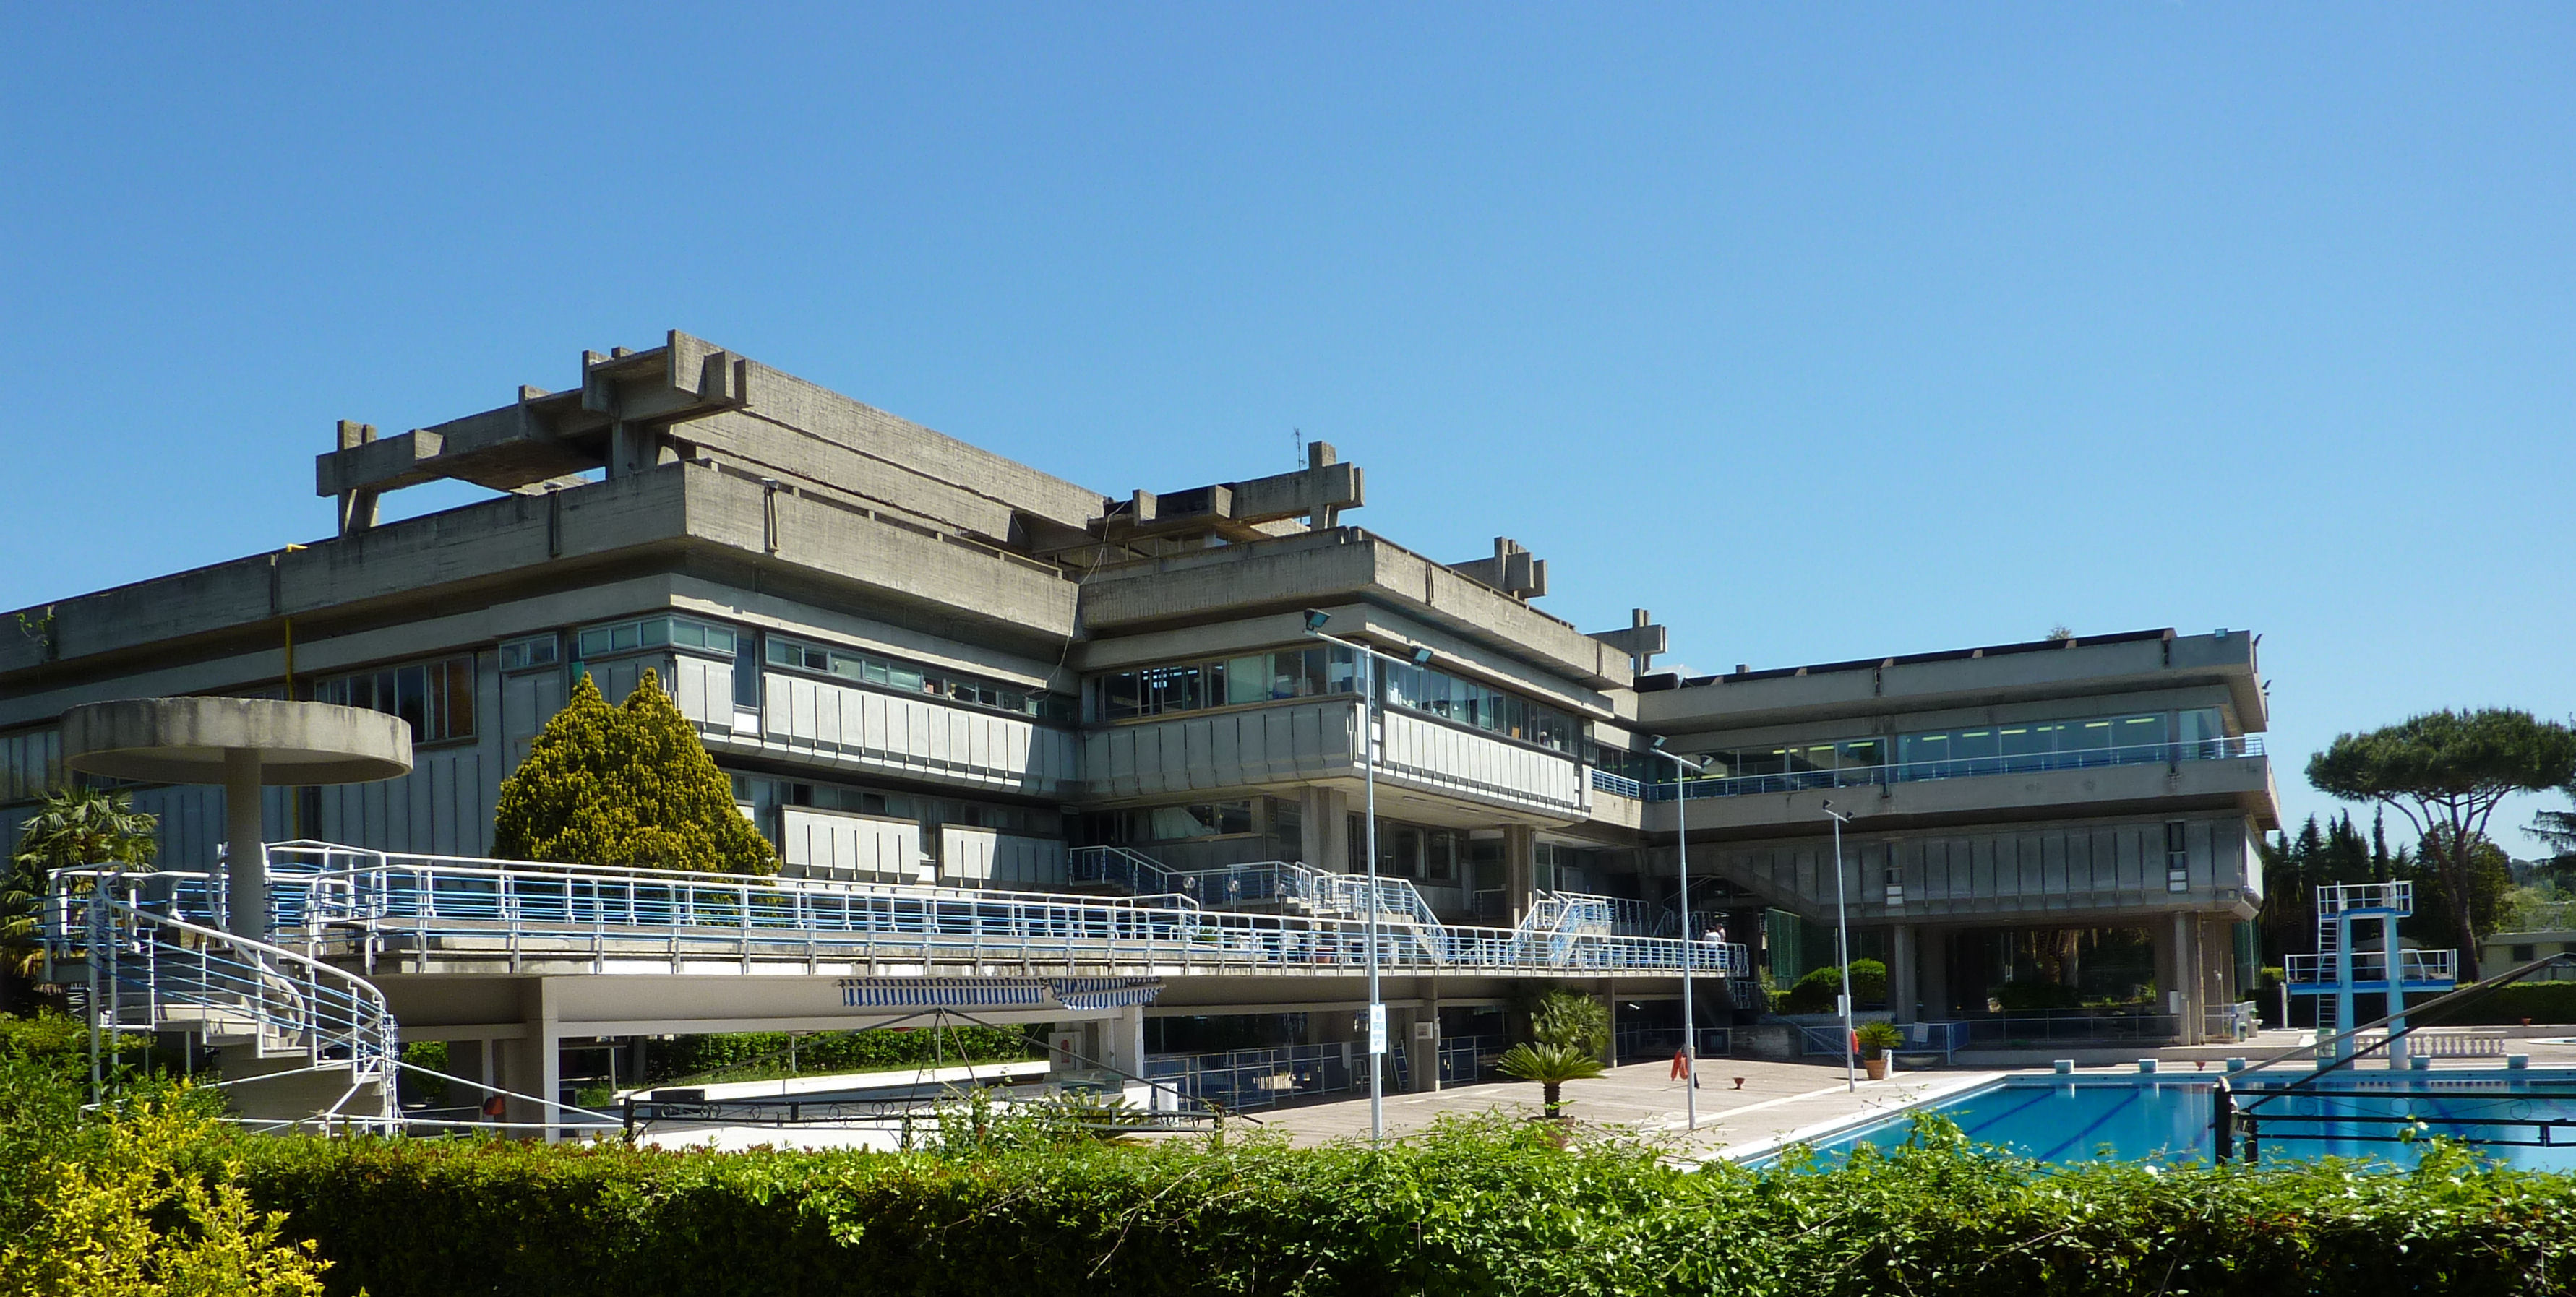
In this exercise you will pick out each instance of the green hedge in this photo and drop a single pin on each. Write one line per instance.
(1487, 1207)
(1815, 992)
(2542, 1002)
(688, 1056)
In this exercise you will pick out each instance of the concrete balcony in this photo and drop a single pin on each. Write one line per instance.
(873, 732)
(2236, 776)
(1317, 741)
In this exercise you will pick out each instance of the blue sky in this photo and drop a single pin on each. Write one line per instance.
(1822, 334)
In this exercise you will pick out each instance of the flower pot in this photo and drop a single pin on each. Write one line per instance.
(1877, 1067)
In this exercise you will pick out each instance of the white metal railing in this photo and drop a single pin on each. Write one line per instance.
(1347, 896)
(2372, 966)
(2395, 897)
(337, 899)
(144, 966)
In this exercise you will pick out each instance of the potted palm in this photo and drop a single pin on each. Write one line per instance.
(1876, 1038)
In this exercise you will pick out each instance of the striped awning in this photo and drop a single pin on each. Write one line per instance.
(963, 993)
(1104, 992)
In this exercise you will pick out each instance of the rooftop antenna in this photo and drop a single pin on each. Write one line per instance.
(1299, 434)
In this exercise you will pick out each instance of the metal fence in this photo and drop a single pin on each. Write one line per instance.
(1632, 1044)
(1242, 1079)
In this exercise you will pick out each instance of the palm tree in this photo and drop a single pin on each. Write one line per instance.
(1551, 1066)
(75, 827)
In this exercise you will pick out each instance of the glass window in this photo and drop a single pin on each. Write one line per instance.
(2198, 724)
(528, 653)
(457, 697)
(435, 698)
(1248, 679)
(2139, 731)
(2027, 740)
(746, 672)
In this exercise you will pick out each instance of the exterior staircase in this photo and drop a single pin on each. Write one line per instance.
(299, 1042)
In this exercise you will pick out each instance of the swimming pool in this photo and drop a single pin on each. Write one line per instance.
(2068, 1119)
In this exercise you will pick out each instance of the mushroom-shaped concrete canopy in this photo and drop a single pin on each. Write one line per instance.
(241, 743)
(189, 741)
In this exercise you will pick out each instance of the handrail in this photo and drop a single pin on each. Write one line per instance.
(2372, 966)
(332, 1017)
(416, 904)
(2250, 745)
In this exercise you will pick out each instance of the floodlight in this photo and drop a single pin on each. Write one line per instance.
(1315, 619)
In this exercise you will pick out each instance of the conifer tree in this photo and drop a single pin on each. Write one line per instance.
(631, 787)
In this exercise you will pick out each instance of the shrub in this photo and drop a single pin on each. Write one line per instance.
(1571, 1020)
(2542, 1002)
(2027, 997)
(849, 1051)
(627, 786)
(1815, 992)
(1482, 1207)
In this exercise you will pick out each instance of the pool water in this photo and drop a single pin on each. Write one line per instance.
(2081, 1119)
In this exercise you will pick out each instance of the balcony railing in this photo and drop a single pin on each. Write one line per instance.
(342, 899)
(1792, 781)
(2317, 971)
(2397, 898)
(1620, 785)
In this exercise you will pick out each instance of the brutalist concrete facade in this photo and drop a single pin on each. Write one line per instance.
(921, 660)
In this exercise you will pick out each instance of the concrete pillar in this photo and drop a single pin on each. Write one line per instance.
(1902, 981)
(1124, 1043)
(245, 857)
(1933, 960)
(532, 1065)
(2166, 939)
(1325, 829)
(1520, 860)
(1610, 1002)
(2187, 979)
(468, 1060)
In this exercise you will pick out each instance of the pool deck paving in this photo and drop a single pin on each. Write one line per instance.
(1775, 1102)
(1774, 1099)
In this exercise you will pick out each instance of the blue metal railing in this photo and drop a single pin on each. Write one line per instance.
(1619, 784)
(2250, 745)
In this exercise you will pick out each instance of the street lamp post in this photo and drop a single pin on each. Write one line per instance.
(1842, 948)
(1681, 850)
(1368, 769)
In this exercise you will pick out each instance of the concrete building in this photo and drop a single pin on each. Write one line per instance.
(922, 662)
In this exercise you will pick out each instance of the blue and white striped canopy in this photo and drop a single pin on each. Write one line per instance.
(1076, 993)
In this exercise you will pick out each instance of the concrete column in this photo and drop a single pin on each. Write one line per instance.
(245, 857)
(1610, 1002)
(468, 1060)
(1901, 978)
(2187, 967)
(1124, 1043)
(1934, 958)
(1520, 859)
(1426, 1069)
(532, 1065)
(2167, 940)
(1325, 829)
